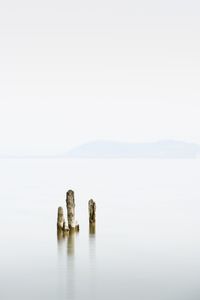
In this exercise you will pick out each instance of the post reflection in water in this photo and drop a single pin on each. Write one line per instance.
(66, 267)
(71, 265)
(70, 244)
(92, 241)
(92, 256)
(67, 272)
(61, 247)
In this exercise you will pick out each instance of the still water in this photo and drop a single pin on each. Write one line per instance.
(146, 244)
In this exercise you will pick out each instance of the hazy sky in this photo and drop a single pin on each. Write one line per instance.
(75, 71)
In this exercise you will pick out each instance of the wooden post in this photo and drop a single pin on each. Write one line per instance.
(70, 203)
(92, 211)
(60, 218)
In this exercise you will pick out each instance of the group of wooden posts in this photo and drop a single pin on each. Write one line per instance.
(72, 224)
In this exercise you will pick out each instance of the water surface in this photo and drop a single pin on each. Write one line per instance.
(146, 244)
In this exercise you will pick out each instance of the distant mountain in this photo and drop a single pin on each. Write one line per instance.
(160, 149)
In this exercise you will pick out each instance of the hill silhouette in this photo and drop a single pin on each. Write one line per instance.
(112, 149)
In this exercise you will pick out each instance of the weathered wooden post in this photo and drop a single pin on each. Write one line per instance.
(62, 230)
(92, 211)
(60, 219)
(70, 203)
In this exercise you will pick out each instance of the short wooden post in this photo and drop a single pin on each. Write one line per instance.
(92, 211)
(60, 218)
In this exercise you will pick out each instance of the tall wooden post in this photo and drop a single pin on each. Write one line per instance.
(70, 203)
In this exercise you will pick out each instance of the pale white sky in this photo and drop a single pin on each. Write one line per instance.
(75, 71)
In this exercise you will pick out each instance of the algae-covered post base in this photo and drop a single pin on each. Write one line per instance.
(62, 234)
(92, 211)
(74, 229)
(92, 228)
(70, 203)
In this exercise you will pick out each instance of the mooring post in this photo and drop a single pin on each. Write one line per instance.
(60, 218)
(70, 203)
(92, 211)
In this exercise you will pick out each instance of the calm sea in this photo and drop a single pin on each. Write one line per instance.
(146, 245)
